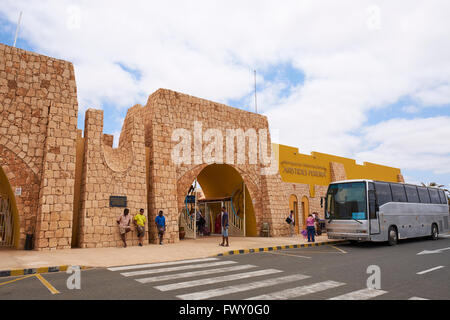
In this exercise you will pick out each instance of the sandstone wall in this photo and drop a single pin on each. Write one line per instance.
(111, 172)
(38, 118)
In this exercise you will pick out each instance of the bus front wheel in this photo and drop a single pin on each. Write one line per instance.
(434, 232)
(392, 236)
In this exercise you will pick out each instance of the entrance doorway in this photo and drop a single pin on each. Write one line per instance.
(293, 205)
(218, 185)
(7, 223)
(305, 210)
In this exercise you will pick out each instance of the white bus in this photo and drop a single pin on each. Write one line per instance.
(366, 210)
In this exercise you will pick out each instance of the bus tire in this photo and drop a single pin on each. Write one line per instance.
(392, 236)
(434, 232)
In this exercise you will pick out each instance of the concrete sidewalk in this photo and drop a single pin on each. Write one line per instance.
(106, 257)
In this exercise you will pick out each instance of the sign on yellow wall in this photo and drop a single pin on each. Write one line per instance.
(314, 169)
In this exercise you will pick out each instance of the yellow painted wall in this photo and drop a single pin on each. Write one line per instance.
(5, 190)
(314, 169)
(219, 181)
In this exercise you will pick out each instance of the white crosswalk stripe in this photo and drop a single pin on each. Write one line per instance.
(194, 273)
(166, 271)
(160, 264)
(298, 291)
(364, 294)
(232, 277)
(202, 295)
(161, 270)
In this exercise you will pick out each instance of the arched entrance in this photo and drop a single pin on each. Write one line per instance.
(9, 231)
(219, 185)
(305, 210)
(293, 205)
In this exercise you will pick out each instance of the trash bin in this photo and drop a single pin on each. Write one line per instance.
(29, 242)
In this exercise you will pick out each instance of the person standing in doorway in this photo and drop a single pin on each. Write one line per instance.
(224, 220)
(310, 222)
(161, 225)
(139, 221)
(292, 223)
(124, 225)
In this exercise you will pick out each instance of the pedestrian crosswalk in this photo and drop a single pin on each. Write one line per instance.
(213, 278)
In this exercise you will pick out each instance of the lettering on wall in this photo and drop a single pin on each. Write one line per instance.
(303, 169)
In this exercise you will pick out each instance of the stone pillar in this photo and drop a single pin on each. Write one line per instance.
(337, 171)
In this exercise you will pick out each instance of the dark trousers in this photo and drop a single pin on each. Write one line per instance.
(311, 232)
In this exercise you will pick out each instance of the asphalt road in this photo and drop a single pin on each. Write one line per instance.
(323, 272)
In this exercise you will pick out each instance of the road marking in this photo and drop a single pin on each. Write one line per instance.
(430, 270)
(194, 273)
(364, 294)
(343, 251)
(417, 298)
(192, 266)
(201, 295)
(11, 281)
(201, 282)
(433, 251)
(291, 255)
(161, 264)
(298, 291)
(47, 284)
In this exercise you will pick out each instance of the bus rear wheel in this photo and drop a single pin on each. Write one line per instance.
(392, 236)
(434, 232)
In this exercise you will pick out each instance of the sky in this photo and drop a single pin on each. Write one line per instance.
(368, 80)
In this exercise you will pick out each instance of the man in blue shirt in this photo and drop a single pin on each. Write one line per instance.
(224, 228)
(161, 225)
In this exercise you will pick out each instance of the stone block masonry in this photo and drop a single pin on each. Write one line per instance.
(38, 113)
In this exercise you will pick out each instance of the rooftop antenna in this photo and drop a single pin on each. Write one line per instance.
(256, 104)
(17, 29)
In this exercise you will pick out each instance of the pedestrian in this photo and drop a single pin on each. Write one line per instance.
(292, 223)
(310, 228)
(224, 220)
(124, 225)
(200, 221)
(318, 230)
(139, 221)
(161, 225)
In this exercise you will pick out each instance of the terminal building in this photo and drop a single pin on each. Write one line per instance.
(61, 187)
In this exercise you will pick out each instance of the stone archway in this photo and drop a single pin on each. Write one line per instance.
(25, 204)
(219, 180)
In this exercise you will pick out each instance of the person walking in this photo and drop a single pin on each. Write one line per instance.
(292, 224)
(124, 225)
(310, 222)
(139, 221)
(224, 220)
(160, 221)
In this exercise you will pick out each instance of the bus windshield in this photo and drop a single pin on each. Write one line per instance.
(346, 201)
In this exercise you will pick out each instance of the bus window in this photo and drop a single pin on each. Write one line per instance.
(423, 195)
(411, 194)
(372, 202)
(434, 195)
(383, 192)
(398, 192)
(442, 197)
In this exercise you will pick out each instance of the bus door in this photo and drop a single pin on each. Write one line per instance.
(373, 210)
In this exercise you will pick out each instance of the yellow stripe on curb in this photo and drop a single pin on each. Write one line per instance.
(47, 284)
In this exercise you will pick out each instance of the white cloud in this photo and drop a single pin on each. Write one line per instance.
(353, 60)
(411, 109)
